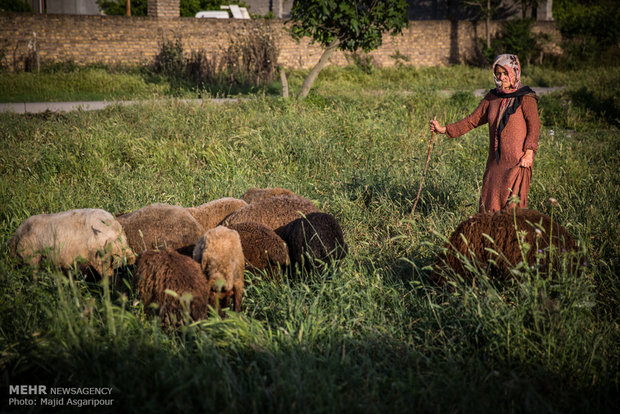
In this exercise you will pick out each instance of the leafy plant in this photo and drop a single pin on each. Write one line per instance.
(346, 25)
(15, 6)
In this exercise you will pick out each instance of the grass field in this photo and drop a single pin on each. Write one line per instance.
(371, 336)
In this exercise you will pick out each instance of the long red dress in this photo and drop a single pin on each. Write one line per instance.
(505, 178)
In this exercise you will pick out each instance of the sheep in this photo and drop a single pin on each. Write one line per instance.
(273, 212)
(91, 236)
(256, 194)
(314, 241)
(263, 249)
(159, 226)
(210, 214)
(500, 227)
(160, 270)
(221, 259)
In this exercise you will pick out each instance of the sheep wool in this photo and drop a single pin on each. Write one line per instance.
(159, 226)
(502, 229)
(273, 212)
(210, 214)
(221, 259)
(263, 249)
(256, 194)
(90, 236)
(314, 241)
(159, 271)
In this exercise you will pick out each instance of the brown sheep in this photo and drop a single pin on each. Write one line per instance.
(263, 249)
(210, 214)
(220, 255)
(272, 212)
(158, 226)
(161, 270)
(314, 241)
(500, 226)
(90, 237)
(256, 194)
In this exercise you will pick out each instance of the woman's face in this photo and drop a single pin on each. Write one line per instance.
(502, 75)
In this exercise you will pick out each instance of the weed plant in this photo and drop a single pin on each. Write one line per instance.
(370, 336)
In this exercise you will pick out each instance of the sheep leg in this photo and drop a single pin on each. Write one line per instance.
(238, 293)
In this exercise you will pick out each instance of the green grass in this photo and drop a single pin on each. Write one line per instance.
(372, 336)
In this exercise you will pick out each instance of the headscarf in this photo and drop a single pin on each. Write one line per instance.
(511, 96)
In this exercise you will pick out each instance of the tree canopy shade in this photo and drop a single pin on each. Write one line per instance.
(345, 25)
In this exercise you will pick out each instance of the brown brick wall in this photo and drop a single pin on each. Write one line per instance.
(135, 40)
(163, 8)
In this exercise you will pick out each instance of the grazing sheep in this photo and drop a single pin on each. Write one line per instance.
(272, 212)
(256, 194)
(263, 249)
(210, 214)
(314, 241)
(161, 270)
(500, 227)
(159, 226)
(91, 236)
(220, 255)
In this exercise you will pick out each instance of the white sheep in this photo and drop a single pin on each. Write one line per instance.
(87, 237)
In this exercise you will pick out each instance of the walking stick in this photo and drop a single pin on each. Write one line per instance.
(428, 158)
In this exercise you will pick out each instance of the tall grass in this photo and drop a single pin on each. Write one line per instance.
(371, 336)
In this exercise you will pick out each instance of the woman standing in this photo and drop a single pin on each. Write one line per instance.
(512, 114)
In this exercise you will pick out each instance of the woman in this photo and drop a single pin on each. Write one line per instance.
(512, 114)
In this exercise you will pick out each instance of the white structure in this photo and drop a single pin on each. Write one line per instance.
(213, 14)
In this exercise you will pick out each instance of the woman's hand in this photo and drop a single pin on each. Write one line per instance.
(435, 127)
(528, 159)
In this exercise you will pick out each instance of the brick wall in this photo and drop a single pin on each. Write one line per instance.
(163, 8)
(135, 40)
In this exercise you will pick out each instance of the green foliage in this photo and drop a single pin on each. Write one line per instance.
(15, 6)
(371, 336)
(516, 38)
(590, 30)
(356, 24)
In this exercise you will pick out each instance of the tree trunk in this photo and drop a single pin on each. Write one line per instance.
(284, 83)
(128, 8)
(309, 81)
(488, 24)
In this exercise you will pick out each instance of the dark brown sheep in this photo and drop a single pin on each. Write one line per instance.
(263, 249)
(220, 255)
(159, 226)
(161, 270)
(272, 212)
(210, 214)
(500, 227)
(256, 194)
(314, 241)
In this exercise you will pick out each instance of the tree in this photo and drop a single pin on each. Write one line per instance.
(486, 10)
(345, 25)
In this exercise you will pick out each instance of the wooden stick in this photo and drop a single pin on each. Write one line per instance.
(428, 158)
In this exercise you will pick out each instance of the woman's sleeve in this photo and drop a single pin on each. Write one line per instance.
(532, 122)
(475, 119)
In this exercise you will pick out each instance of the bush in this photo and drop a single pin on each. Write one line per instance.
(15, 6)
(589, 29)
(516, 38)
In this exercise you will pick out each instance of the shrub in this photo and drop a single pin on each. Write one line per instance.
(15, 6)
(516, 38)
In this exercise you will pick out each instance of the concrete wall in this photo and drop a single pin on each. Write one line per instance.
(135, 40)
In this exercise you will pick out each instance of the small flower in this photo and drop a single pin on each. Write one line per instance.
(539, 250)
(553, 201)
(538, 233)
(563, 250)
(584, 264)
(551, 132)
